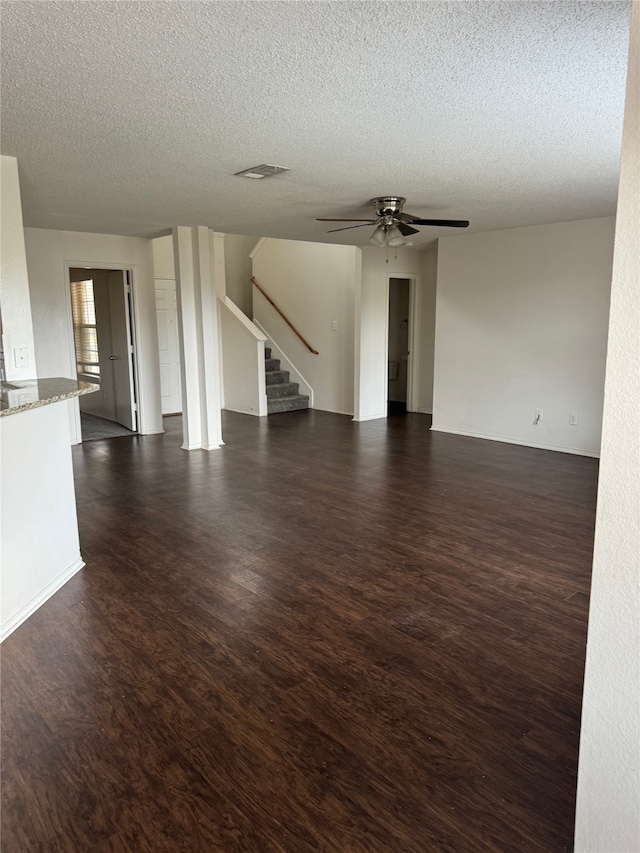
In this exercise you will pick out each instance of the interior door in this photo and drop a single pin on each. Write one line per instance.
(168, 346)
(121, 355)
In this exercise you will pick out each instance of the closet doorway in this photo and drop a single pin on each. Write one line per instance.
(398, 345)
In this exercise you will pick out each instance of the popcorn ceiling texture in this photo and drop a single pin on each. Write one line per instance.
(129, 118)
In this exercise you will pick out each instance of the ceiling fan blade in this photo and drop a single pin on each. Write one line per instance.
(348, 226)
(406, 230)
(345, 220)
(446, 223)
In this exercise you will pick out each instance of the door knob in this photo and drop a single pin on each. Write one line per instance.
(113, 358)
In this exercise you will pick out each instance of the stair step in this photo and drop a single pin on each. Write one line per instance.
(267, 352)
(272, 364)
(287, 404)
(277, 377)
(285, 389)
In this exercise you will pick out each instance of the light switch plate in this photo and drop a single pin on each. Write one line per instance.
(21, 357)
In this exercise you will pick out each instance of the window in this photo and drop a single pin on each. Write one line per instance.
(84, 329)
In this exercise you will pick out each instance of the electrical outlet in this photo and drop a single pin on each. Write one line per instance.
(334, 325)
(573, 419)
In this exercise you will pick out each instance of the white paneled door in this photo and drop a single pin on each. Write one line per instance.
(168, 345)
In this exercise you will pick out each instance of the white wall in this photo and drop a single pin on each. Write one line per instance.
(15, 306)
(48, 253)
(608, 805)
(427, 324)
(38, 522)
(371, 332)
(314, 284)
(238, 270)
(163, 264)
(243, 370)
(521, 324)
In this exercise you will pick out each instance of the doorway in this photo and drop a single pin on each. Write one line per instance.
(101, 311)
(398, 349)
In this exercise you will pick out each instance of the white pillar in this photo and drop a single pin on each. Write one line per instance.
(199, 335)
(209, 335)
(357, 340)
(216, 240)
(188, 336)
(608, 805)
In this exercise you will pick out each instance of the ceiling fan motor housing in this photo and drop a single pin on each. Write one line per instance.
(388, 205)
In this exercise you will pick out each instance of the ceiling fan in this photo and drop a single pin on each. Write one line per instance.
(392, 225)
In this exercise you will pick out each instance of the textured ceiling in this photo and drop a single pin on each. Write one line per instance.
(131, 117)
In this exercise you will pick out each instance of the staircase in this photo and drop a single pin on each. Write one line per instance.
(282, 395)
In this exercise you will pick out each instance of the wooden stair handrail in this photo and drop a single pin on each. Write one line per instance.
(287, 321)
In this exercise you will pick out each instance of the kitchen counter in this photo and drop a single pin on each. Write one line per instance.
(39, 547)
(21, 396)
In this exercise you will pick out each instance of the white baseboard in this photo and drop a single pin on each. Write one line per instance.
(424, 411)
(370, 417)
(332, 411)
(244, 412)
(315, 409)
(153, 432)
(594, 454)
(214, 446)
(30, 608)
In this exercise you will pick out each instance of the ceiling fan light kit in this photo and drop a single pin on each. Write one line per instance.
(388, 235)
(392, 225)
(379, 236)
(394, 237)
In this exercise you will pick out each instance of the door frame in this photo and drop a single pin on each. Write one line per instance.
(129, 271)
(413, 360)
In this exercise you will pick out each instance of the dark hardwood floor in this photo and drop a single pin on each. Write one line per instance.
(327, 636)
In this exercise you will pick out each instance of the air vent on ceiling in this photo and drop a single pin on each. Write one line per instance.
(264, 171)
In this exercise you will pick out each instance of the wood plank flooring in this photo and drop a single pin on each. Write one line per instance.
(326, 636)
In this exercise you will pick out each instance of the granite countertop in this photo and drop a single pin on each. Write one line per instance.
(20, 396)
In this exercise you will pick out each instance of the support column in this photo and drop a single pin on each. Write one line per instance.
(188, 337)
(199, 335)
(209, 336)
(216, 242)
